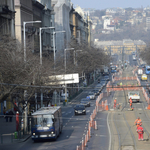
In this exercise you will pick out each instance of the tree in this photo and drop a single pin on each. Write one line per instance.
(14, 72)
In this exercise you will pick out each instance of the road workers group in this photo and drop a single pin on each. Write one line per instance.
(139, 128)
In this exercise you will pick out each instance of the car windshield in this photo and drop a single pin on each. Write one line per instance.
(40, 121)
(79, 106)
(113, 68)
(91, 93)
(82, 100)
(133, 93)
(148, 69)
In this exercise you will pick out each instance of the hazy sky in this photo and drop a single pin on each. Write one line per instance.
(103, 4)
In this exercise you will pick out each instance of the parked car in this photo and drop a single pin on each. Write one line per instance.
(107, 78)
(79, 109)
(103, 82)
(96, 92)
(91, 95)
(99, 87)
(143, 65)
(85, 102)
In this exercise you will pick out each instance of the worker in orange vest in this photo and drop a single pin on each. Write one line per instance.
(115, 102)
(130, 101)
(138, 122)
(140, 132)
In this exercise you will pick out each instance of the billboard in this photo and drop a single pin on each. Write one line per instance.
(63, 79)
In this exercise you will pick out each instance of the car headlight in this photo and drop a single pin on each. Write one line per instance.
(83, 110)
(75, 110)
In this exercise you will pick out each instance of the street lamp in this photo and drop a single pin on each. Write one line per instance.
(41, 42)
(65, 56)
(24, 24)
(75, 56)
(65, 70)
(54, 44)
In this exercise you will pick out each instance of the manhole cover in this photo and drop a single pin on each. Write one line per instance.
(127, 148)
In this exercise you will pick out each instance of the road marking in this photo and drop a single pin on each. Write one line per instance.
(88, 111)
(140, 109)
(101, 126)
(69, 112)
(101, 135)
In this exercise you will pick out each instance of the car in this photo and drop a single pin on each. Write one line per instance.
(85, 102)
(91, 95)
(107, 78)
(144, 77)
(96, 92)
(99, 87)
(142, 66)
(79, 109)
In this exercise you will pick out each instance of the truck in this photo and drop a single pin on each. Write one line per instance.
(134, 95)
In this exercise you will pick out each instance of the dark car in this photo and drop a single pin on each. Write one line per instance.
(79, 109)
(107, 78)
(85, 102)
(96, 91)
(142, 65)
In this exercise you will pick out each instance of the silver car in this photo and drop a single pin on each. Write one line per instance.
(91, 95)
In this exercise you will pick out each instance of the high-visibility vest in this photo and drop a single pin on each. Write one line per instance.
(140, 130)
(138, 121)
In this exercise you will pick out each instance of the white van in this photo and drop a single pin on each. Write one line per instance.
(140, 71)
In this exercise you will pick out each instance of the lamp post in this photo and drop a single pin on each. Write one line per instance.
(75, 56)
(24, 35)
(65, 70)
(41, 41)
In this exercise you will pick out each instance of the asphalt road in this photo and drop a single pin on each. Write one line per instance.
(74, 129)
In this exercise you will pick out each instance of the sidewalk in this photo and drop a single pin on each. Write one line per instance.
(7, 130)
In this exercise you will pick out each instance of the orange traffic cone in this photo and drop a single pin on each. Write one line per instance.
(106, 105)
(148, 107)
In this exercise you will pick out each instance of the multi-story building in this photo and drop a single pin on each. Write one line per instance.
(7, 17)
(34, 10)
(62, 9)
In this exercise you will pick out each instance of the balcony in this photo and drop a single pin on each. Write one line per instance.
(4, 9)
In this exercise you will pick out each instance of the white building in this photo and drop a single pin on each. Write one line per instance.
(106, 23)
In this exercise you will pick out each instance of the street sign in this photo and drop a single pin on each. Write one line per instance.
(63, 79)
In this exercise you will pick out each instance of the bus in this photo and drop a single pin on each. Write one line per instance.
(147, 70)
(46, 123)
(113, 69)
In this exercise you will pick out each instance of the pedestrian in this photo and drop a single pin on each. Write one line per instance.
(130, 101)
(137, 122)
(115, 102)
(10, 115)
(6, 116)
(140, 132)
(4, 111)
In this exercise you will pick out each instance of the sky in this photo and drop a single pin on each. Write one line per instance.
(103, 4)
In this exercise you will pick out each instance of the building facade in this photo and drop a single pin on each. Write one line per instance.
(126, 45)
(7, 18)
